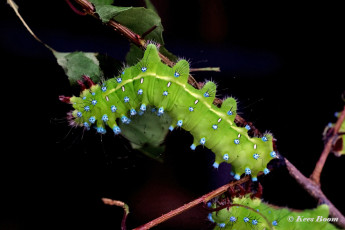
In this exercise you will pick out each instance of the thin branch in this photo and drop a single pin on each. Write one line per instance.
(203, 199)
(119, 204)
(214, 69)
(315, 176)
(315, 191)
(16, 10)
(82, 13)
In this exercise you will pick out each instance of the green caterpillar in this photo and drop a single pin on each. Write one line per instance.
(247, 213)
(152, 83)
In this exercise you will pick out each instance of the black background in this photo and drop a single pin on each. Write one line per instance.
(282, 61)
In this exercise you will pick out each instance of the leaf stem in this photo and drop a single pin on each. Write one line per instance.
(315, 176)
(119, 204)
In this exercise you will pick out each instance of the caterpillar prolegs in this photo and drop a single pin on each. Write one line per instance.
(152, 83)
(251, 213)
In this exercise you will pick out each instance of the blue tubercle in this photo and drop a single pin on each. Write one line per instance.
(226, 157)
(165, 93)
(104, 88)
(202, 141)
(206, 94)
(133, 112)
(92, 119)
(179, 123)
(233, 219)
(94, 102)
(266, 171)
(116, 130)
(171, 128)
(113, 108)
(119, 80)
(247, 127)
(247, 171)
(193, 147)
(264, 139)
(229, 112)
(93, 93)
(191, 109)
(140, 92)
(215, 165)
(215, 127)
(254, 179)
(126, 99)
(101, 130)
(236, 141)
(160, 111)
(222, 225)
(124, 119)
(254, 222)
(143, 69)
(86, 125)
(176, 74)
(245, 219)
(105, 118)
(87, 108)
(237, 176)
(143, 107)
(273, 154)
(79, 114)
(209, 217)
(274, 223)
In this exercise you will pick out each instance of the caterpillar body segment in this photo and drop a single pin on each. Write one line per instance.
(152, 83)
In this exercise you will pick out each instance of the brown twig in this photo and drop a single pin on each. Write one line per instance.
(315, 176)
(315, 191)
(119, 204)
(75, 10)
(203, 199)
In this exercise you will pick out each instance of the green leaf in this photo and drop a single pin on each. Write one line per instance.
(137, 19)
(134, 55)
(107, 12)
(140, 20)
(146, 133)
(150, 6)
(78, 63)
(102, 2)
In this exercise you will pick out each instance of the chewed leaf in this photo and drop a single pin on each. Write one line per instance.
(77, 64)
